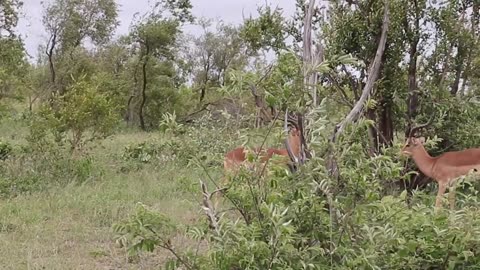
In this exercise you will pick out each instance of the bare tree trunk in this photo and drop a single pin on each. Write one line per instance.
(311, 57)
(50, 47)
(458, 68)
(412, 102)
(372, 132)
(445, 66)
(460, 58)
(49, 52)
(384, 111)
(386, 122)
(473, 30)
(203, 88)
(129, 114)
(144, 86)
(373, 72)
(355, 113)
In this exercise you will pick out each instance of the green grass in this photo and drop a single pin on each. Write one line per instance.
(71, 227)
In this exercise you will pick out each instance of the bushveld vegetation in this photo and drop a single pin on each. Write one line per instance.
(111, 154)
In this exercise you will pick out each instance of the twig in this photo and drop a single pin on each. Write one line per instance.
(218, 188)
(168, 246)
(209, 208)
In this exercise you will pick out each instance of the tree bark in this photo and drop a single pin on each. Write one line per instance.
(412, 102)
(458, 68)
(129, 114)
(203, 88)
(310, 59)
(144, 86)
(386, 122)
(50, 47)
(373, 73)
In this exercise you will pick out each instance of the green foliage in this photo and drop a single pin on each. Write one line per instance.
(305, 221)
(13, 67)
(268, 31)
(50, 167)
(144, 230)
(308, 220)
(9, 16)
(179, 9)
(214, 55)
(71, 22)
(82, 113)
(5, 150)
(142, 152)
(169, 124)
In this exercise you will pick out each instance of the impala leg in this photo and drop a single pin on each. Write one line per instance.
(441, 190)
(451, 195)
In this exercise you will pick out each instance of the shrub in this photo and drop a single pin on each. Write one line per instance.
(53, 167)
(5, 150)
(311, 221)
(82, 114)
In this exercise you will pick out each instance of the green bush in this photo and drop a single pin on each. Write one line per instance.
(54, 167)
(82, 114)
(5, 150)
(311, 221)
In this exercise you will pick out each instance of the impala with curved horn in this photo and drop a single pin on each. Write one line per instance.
(445, 168)
(236, 157)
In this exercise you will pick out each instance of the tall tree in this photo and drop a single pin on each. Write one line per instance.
(12, 53)
(156, 33)
(214, 54)
(69, 23)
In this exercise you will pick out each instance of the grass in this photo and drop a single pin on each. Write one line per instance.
(70, 227)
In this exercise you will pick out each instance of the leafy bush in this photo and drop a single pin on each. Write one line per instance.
(81, 115)
(311, 221)
(169, 124)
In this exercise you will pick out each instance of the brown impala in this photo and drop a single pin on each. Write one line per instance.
(445, 168)
(236, 157)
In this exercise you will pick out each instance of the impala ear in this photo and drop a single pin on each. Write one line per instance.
(421, 140)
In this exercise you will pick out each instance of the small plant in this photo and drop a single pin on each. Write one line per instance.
(143, 152)
(169, 124)
(5, 150)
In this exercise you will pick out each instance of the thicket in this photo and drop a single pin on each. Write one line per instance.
(360, 78)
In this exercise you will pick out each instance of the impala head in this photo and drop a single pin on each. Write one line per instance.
(413, 145)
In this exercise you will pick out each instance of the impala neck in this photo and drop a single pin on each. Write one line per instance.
(424, 161)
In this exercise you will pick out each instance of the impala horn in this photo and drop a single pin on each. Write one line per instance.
(414, 130)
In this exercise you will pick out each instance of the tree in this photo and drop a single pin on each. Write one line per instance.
(9, 17)
(155, 35)
(214, 54)
(69, 23)
(12, 54)
(156, 38)
(83, 109)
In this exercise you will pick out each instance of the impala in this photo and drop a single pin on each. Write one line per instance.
(445, 168)
(236, 157)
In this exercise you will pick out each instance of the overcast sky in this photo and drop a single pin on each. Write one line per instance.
(230, 11)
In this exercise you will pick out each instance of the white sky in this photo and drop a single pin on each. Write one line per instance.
(230, 11)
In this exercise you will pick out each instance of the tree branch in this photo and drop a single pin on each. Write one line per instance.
(373, 74)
